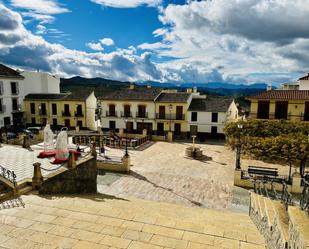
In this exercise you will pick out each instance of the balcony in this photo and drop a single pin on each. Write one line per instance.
(142, 114)
(126, 114)
(43, 112)
(111, 114)
(79, 114)
(15, 92)
(2, 108)
(172, 116)
(66, 114)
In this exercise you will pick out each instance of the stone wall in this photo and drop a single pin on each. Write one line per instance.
(82, 179)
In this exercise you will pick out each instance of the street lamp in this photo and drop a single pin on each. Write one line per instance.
(170, 107)
(126, 150)
(238, 146)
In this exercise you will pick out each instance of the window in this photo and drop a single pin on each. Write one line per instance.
(54, 109)
(43, 109)
(14, 88)
(33, 121)
(112, 125)
(1, 87)
(193, 116)
(66, 110)
(55, 122)
(112, 111)
(214, 129)
(1, 106)
(214, 117)
(80, 123)
(79, 110)
(32, 108)
(15, 104)
(67, 123)
(141, 111)
(127, 110)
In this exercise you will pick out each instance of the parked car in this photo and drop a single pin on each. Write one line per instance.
(34, 130)
(28, 133)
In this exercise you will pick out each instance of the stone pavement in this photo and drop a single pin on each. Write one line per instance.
(99, 221)
(21, 161)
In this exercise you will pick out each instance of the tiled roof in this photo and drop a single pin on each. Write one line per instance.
(210, 105)
(283, 95)
(305, 77)
(6, 72)
(59, 96)
(146, 94)
(179, 97)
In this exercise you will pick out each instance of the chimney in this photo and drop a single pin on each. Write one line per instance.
(269, 87)
(189, 90)
(131, 86)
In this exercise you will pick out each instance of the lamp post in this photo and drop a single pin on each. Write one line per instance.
(126, 150)
(238, 146)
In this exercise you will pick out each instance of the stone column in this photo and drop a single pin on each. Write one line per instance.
(170, 136)
(126, 162)
(296, 183)
(37, 178)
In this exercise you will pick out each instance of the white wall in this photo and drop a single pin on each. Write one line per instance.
(150, 109)
(37, 82)
(304, 85)
(7, 98)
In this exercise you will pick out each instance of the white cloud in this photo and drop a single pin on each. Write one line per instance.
(95, 46)
(50, 7)
(40, 29)
(127, 3)
(107, 41)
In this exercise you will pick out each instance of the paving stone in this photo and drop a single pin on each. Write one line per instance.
(137, 235)
(244, 245)
(193, 245)
(89, 245)
(226, 243)
(88, 226)
(85, 235)
(141, 245)
(61, 231)
(168, 242)
(115, 241)
(132, 225)
(113, 231)
(63, 221)
(41, 227)
(200, 238)
(110, 221)
(177, 234)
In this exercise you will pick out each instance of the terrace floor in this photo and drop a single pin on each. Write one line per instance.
(101, 221)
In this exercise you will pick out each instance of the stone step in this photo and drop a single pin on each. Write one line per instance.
(270, 212)
(299, 228)
(25, 189)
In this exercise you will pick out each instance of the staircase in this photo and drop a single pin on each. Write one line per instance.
(281, 228)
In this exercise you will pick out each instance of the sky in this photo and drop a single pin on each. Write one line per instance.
(183, 41)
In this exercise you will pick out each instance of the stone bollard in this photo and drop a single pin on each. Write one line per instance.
(94, 149)
(72, 161)
(170, 136)
(26, 142)
(37, 178)
(127, 163)
(296, 183)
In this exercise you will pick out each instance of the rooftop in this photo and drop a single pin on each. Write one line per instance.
(210, 105)
(7, 72)
(80, 95)
(146, 94)
(105, 221)
(178, 97)
(283, 95)
(305, 77)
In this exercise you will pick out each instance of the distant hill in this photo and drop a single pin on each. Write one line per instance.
(102, 86)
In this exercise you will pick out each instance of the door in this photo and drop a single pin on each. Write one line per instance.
(7, 121)
(129, 127)
(67, 123)
(160, 129)
(214, 130)
(127, 111)
(112, 125)
(162, 112)
(263, 110)
(193, 130)
(141, 111)
(177, 130)
(179, 110)
(306, 114)
(112, 111)
(281, 111)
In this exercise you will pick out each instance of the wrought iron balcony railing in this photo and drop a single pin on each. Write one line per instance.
(66, 114)
(172, 116)
(111, 114)
(142, 114)
(79, 114)
(126, 114)
(42, 112)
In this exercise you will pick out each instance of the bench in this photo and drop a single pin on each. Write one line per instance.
(269, 172)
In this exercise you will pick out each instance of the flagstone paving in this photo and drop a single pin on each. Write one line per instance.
(163, 173)
(101, 221)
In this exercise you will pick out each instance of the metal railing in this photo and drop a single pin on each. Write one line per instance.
(142, 114)
(173, 116)
(8, 174)
(126, 114)
(79, 114)
(111, 114)
(286, 196)
(66, 114)
(304, 201)
(43, 112)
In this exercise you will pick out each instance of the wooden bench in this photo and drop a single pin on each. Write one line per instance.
(262, 171)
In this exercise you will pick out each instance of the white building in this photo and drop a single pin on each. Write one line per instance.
(15, 85)
(304, 82)
(208, 116)
(37, 82)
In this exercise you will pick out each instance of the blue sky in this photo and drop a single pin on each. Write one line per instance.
(233, 41)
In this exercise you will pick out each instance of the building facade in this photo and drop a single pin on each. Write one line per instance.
(61, 110)
(208, 117)
(281, 104)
